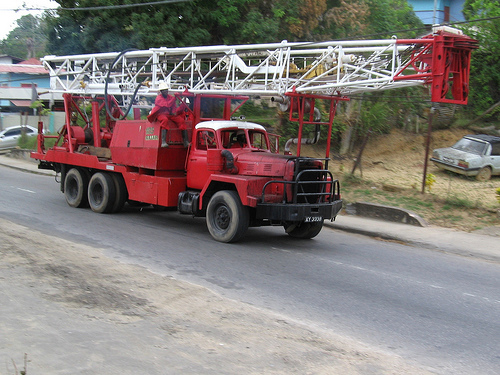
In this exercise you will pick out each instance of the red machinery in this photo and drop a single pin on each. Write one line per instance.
(231, 172)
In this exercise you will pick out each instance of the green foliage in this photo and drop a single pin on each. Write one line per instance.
(199, 22)
(25, 142)
(430, 180)
(497, 192)
(41, 107)
(30, 143)
(27, 40)
(249, 108)
(63, 33)
(257, 29)
(485, 65)
(374, 117)
(388, 16)
(204, 22)
(455, 201)
(348, 19)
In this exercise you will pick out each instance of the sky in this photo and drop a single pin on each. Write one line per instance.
(8, 15)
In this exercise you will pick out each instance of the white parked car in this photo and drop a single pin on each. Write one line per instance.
(473, 155)
(9, 137)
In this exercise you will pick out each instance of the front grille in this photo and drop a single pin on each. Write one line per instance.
(313, 186)
(309, 186)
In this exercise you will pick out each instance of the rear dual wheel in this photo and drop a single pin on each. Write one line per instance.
(76, 185)
(121, 192)
(101, 192)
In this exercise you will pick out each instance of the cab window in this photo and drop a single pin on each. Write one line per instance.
(258, 140)
(205, 139)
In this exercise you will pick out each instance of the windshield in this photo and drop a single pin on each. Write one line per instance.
(470, 145)
(238, 139)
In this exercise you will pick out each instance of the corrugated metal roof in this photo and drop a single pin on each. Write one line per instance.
(21, 103)
(23, 68)
(32, 61)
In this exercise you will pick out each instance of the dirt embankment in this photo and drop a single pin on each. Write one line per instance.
(398, 159)
(392, 170)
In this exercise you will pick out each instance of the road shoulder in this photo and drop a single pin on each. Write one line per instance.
(72, 309)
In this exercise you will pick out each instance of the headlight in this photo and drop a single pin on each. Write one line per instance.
(463, 164)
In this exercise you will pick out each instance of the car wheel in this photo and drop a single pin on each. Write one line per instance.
(102, 192)
(484, 174)
(227, 219)
(75, 188)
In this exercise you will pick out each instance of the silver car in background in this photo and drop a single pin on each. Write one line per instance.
(9, 137)
(473, 155)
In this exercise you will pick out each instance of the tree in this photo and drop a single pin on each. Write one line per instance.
(348, 18)
(357, 18)
(64, 35)
(27, 40)
(198, 22)
(485, 64)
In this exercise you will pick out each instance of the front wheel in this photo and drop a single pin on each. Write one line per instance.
(304, 230)
(227, 219)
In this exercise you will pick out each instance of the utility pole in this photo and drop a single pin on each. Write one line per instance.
(427, 147)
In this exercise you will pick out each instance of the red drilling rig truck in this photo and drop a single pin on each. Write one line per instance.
(231, 171)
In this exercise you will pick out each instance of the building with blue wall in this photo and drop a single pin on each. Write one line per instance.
(433, 12)
(20, 83)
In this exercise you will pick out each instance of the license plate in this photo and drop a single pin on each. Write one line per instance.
(312, 219)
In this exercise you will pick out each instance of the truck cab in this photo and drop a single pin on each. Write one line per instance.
(214, 141)
(236, 180)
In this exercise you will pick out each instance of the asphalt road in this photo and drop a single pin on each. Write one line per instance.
(438, 310)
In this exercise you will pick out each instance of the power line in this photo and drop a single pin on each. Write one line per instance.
(104, 7)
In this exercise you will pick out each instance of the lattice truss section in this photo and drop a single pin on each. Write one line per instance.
(327, 68)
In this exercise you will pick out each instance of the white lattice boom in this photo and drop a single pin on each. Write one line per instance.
(327, 68)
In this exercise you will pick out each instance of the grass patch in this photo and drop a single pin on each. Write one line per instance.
(453, 212)
(453, 218)
(30, 143)
(460, 202)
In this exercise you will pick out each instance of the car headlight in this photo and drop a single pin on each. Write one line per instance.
(463, 164)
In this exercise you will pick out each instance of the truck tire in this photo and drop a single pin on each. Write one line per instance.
(121, 195)
(102, 192)
(75, 188)
(227, 219)
(304, 230)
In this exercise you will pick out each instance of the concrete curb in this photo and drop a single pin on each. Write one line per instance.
(387, 213)
(20, 160)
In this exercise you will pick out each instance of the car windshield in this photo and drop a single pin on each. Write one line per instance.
(470, 145)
